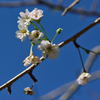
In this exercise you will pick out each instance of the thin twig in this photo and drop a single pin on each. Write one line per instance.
(70, 7)
(80, 55)
(32, 77)
(77, 35)
(48, 4)
(30, 68)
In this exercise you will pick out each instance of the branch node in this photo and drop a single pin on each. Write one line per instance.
(76, 44)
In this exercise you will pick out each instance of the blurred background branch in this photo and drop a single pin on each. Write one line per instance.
(51, 5)
(70, 7)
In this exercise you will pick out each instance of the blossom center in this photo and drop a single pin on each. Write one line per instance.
(49, 47)
(23, 31)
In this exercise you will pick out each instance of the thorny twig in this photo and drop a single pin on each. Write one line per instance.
(32, 76)
(30, 68)
(50, 5)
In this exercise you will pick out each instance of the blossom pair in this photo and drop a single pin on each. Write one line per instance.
(48, 49)
(26, 17)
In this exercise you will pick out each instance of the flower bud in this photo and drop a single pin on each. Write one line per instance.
(59, 30)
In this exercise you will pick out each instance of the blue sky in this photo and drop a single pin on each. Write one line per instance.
(51, 73)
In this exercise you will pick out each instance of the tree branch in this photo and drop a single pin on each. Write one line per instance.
(30, 68)
(77, 35)
(26, 71)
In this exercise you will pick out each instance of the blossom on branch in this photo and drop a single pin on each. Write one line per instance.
(31, 59)
(49, 49)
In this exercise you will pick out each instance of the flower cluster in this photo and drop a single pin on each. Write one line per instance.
(25, 20)
(83, 78)
(37, 36)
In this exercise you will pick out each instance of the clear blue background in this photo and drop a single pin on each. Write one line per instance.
(51, 73)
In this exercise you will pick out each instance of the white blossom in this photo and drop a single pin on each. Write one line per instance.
(35, 36)
(22, 32)
(36, 14)
(49, 49)
(22, 26)
(83, 78)
(24, 18)
(31, 59)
